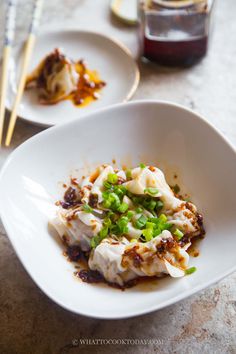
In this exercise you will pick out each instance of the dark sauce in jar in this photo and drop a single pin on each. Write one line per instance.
(175, 36)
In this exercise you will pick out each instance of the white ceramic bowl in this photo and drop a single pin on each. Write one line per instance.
(169, 136)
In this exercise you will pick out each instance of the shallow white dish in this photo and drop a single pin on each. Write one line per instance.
(169, 136)
(112, 60)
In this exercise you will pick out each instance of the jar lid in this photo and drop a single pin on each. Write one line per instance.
(177, 3)
(125, 10)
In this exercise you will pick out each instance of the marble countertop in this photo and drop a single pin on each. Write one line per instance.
(204, 323)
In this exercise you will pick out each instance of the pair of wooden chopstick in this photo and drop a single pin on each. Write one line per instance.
(29, 45)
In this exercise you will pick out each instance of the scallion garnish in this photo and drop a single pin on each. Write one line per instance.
(190, 270)
(151, 191)
(142, 165)
(130, 214)
(141, 222)
(120, 190)
(179, 234)
(112, 178)
(148, 234)
(95, 241)
(87, 208)
(139, 210)
(107, 185)
(128, 174)
(123, 207)
(159, 204)
(121, 226)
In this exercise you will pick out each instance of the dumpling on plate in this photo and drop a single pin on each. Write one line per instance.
(57, 78)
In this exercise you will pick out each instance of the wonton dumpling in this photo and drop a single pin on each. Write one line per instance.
(55, 77)
(121, 261)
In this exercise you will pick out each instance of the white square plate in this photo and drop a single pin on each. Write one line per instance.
(163, 134)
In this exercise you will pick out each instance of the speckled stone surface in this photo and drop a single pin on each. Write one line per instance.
(204, 323)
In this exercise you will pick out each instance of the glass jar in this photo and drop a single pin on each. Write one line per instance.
(175, 32)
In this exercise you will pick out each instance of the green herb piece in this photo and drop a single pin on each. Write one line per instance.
(111, 200)
(107, 222)
(167, 226)
(103, 233)
(107, 185)
(128, 174)
(159, 204)
(123, 208)
(160, 224)
(179, 234)
(121, 225)
(162, 218)
(157, 231)
(130, 214)
(190, 270)
(112, 178)
(95, 241)
(151, 191)
(87, 208)
(148, 234)
(142, 165)
(150, 225)
(139, 210)
(149, 204)
(141, 222)
(110, 214)
(136, 200)
(120, 190)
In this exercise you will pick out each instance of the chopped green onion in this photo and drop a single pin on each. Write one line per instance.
(103, 232)
(120, 190)
(139, 210)
(190, 270)
(149, 204)
(151, 191)
(128, 174)
(167, 226)
(110, 214)
(122, 225)
(141, 222)
(179, 234)
(106, 204)
(112, 178)
(154, 220)
(107, 185)
(111, 200)
(136, 200)
(130, 214)
(123, 207)
(142, 165)
(150, 225)
(163, 218)
(148, 234)
(107, 222)
(157, 231)
(87, 208)
(160, 204)
(95, 241)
